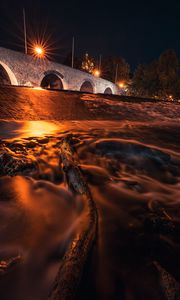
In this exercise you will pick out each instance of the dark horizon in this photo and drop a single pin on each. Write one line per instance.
(138, 32)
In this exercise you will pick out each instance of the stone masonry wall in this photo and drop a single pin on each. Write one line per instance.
(30, 71)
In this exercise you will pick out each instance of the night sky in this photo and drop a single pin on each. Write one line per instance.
(138, 31)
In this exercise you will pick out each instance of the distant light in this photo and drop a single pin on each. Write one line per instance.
(97, 73)
(39, 51)
(121, 84)
(171, 98)
(37, 88)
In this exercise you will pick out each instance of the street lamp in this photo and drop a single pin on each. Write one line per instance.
(97, 73)
(121, 84)
(39, 51)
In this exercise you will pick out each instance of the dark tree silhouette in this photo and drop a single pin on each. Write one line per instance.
(110, 64)
(146, 80)
(159, 78)
(168, 68)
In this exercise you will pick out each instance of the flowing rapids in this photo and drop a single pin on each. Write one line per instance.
(132, 169)
(129, 162)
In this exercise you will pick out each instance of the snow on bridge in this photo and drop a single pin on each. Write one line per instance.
(19, 69)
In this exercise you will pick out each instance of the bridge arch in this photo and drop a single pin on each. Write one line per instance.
(108, 91)
(87, 86)
(53, 80)
(6, 75)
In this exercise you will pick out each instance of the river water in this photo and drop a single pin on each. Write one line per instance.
(132, 167)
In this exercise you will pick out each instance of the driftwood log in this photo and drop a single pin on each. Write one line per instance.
(71, 269)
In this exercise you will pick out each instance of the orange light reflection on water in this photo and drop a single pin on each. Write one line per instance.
(36, 129)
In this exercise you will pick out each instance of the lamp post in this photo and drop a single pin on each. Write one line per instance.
(100, 61)
(116, 74)
(72, 52)
(25, 33)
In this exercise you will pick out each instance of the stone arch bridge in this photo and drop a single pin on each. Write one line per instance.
(19, 69)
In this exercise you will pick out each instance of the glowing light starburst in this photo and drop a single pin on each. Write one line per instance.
(39, 51)
(121, 84)
(40, 48)
(96, 73)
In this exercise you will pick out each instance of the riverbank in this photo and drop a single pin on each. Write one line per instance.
(20, 103)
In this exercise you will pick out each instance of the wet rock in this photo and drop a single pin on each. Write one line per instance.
(6, 265)
(10, 165)
(31, 144)
(43, 140)
(170, 286)
(17, 147)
